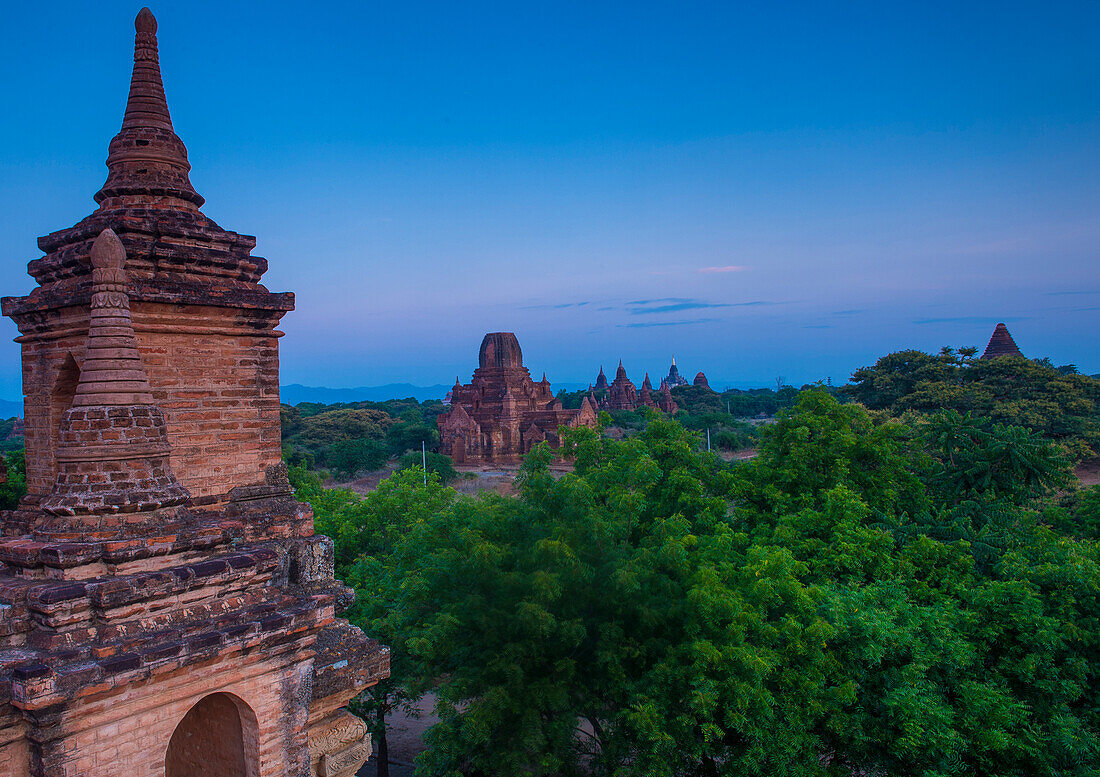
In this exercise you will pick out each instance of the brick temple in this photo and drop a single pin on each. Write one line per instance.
(501, 414)
(165, 606)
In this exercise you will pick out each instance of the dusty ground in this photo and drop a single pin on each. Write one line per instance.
(366, 483)
(404, 736)
(1088, 472)
(472, 479)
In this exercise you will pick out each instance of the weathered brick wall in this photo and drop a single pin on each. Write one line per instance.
(14, 757)
(126, 733)
(214, 374)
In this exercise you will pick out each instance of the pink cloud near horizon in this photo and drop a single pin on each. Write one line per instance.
(726, 268)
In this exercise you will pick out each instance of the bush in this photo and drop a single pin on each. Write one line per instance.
(437, 463)
(16, 486)
(350, 457)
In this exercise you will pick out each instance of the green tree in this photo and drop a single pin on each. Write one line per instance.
(609, 621)
(1009, 390)
(347, 458)
(438, 464)
(965, 631)
(16, 486)
(880, 599)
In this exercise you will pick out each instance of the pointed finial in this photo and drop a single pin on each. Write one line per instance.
(146, 22)
(108, 252)
(147, 158)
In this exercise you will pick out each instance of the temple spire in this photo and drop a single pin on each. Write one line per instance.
(112, 445)
(112, 373)
(146, 156)
(147, 105)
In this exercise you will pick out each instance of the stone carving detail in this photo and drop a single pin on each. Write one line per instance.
(347, 762)
(341, 748)
(345, 731)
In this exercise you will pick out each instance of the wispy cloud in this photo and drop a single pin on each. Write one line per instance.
(646, 307)
(673, 307)
(969, 320)
(647, 324)
(656, 300)
(851, 312)
(1069, 293)
(725, 268)
(818, 326)
(556, 306)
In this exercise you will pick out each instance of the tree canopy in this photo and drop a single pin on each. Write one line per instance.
(866, 596)
(1054, 401)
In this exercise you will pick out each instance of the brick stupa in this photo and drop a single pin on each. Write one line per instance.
(165, 606)
(203, 323)
(666, 403)
(501, 414)
(1001, 344)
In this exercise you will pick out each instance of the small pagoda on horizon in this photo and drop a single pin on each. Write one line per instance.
(1001, 344)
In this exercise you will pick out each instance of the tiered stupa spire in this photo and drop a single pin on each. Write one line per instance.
(146, 157)
(112, 373)
(112, 450)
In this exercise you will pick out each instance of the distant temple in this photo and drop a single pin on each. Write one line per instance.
(501, 414)
(166, 608)
(701, 381)
(1001, 344)
(621, 394)
(674, 378)
(601, 381)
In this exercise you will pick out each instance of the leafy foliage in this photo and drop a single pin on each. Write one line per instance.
(864, 597)
(16, 486)
(438, 465)
(347, 439)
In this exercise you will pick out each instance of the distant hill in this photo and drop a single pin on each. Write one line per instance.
(295, 393)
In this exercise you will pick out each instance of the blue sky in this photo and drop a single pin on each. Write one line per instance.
(759, 189)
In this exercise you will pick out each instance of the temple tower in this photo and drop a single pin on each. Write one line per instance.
(166, 609)
(204, 325)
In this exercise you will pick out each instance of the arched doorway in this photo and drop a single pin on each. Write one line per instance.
(61, 399)
(216, 738)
